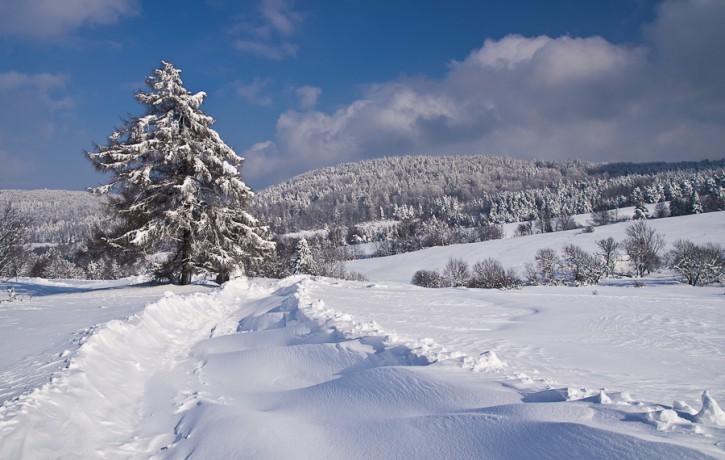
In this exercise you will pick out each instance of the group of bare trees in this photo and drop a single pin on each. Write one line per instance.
(485, 274)
(695, 264)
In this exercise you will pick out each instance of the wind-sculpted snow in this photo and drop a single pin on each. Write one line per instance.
(296, 369)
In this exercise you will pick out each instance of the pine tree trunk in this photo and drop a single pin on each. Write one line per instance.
(186, 265)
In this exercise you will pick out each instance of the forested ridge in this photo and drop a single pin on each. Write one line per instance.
(474, 189)
(57, 216)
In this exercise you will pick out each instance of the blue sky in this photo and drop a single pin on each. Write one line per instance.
(301, 85)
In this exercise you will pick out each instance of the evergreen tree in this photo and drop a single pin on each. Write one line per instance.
(696, 204)
(640, 211)
(13, 234)
(303, 262)
(178, 188)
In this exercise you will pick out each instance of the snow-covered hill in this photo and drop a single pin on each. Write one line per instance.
(321, 368)
(516, 252)
(57, 216)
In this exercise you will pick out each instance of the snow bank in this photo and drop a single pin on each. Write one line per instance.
(96, 405)
(284, 370)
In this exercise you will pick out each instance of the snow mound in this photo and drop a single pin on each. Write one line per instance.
(710, 412)
(426, 348)
(100, 398)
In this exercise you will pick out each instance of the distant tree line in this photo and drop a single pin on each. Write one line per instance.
(691, 263)
(463, 192)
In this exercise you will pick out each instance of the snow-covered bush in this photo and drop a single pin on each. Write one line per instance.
(696, 264)
(579, 267)
(427, 278)
(546, 270)
(456, 273)
(566, 222)
(662, 210)
(608, 251)
(490, 274)
(643, 245)
(53, 264)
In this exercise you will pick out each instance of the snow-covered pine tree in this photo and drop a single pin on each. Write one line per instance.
(303, 262)
(177, 187)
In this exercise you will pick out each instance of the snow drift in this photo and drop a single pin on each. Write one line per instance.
(283, 369)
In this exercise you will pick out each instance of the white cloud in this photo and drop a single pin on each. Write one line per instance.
(539, 97)
(688, 38)
(45, 19)
(273, 51)
(280, 16)
(254, 92)
(308, 95)
(267, 32)
(43, 81)
(506, 53)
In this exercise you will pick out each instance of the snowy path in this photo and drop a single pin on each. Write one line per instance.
(53, 318)
(268, 370)
(95, 406)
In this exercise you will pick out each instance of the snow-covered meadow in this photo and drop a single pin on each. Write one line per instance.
(321, 368)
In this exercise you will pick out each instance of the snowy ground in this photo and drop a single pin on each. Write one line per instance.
(319, 368)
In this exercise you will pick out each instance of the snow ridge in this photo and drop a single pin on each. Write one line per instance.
(263, 369)
(426, 348)
(105, 382)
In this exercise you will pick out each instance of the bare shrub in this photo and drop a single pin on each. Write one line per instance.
(487, 274)
(456, 273)
(579, 267)
(643, 245)
(662, 210)
(547, 267)
(525, 228)
(490, 232)
(697, 265)
(427, 278)
(490, 274)
(602, 217)
(567, 222)
(608, 250)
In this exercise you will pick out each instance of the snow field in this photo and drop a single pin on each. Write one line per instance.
(52, 318)
(99, 402)
(515, 252)
(267, 369)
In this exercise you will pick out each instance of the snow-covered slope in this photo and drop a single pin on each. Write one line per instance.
(516, 252)
(320, 368)
(279, 370)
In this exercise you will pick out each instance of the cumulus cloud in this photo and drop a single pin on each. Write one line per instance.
(687, 39)
(267, 33)
(539, 97)
(44, 19)
(308, 95)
